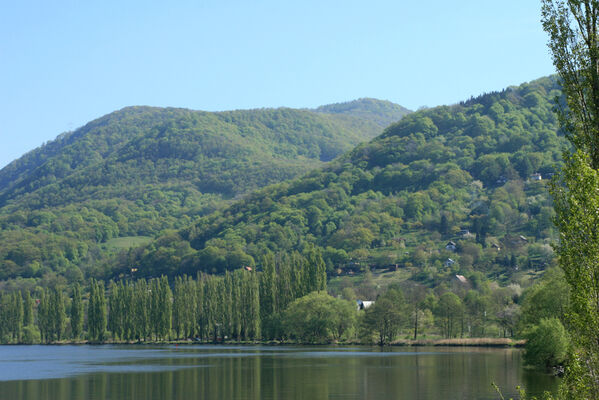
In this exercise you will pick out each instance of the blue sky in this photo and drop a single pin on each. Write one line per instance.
(65, 63)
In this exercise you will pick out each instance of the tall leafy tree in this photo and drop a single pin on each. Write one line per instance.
(179, 307)
(449, 313)
(43, 316)
(572, 26)
(16, 316)
(27, 309)
(76, 312)
(268, 292)
(166, 308)
(96, 312)
(57, 313)
(386, 316)
(141, 310)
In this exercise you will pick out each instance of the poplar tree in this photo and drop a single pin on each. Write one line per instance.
(572, 26)
(165, 308)
(268, 293)
(141, 310)
(76, 312)
(16, 311)
(236, 300)
(4, 317)
(284, 283)
(116, 310)
(200, 315)
(299, 275)
(227, 305)
(27, 309)
(317, 273)
(154, 289)
(210, 308)
(128, 311)
(96, 312)
(250, 293)
(191, 323)
(179, 299)
(43, 316)
(57, 316)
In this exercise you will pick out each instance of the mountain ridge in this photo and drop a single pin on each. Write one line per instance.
(471, 167)
(140, 170)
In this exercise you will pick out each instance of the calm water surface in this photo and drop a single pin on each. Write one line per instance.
(261, 372)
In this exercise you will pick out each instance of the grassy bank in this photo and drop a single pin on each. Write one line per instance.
(465, 342)
(472, 342)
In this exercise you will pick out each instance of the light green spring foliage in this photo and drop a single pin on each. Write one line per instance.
(140, 170)
(319, 318)
(547, 344)
(449, 313)
(392, 200)
(577, 208)
(76, 312)
(385, 317)
(96, 312)
(550, 297)
(573, 26)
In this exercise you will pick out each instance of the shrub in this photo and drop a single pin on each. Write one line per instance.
(547, 344)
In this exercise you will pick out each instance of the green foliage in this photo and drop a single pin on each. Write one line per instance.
(11, 317)
(572, 26)
(576, 204)
(386, 316)
(383, 113)
(96, 312)
(76, 312)
(549, 298)
(51, 315)
(31, 335)
(450, 314)
(547, 344)
(401, 197)
(27, 309)
(319, 318)
(128, 176)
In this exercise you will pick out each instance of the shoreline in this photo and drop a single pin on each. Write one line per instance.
(457, 342)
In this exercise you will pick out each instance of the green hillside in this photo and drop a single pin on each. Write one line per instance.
(141, 170)
(381, 112)
(463, 174)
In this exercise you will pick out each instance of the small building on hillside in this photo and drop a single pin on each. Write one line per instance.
(502, 180)
(363, 304)
(536, 177)
(451, 246)
(449, 262)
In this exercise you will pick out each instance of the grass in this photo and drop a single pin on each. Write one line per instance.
(381, 279)
(126, 242)
(475, 342)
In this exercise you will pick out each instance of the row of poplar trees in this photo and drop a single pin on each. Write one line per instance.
(240, 305)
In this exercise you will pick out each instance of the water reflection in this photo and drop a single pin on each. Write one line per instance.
(259, 372)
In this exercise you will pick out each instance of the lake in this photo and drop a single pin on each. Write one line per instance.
(262, 372)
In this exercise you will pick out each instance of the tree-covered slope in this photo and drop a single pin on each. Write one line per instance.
(122, 146)
(140, 170)
(382, 112)
(450, 190)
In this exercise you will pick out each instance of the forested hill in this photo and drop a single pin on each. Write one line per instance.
(124, 143)
(382, 112)
(140, 170)
(449, 190)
